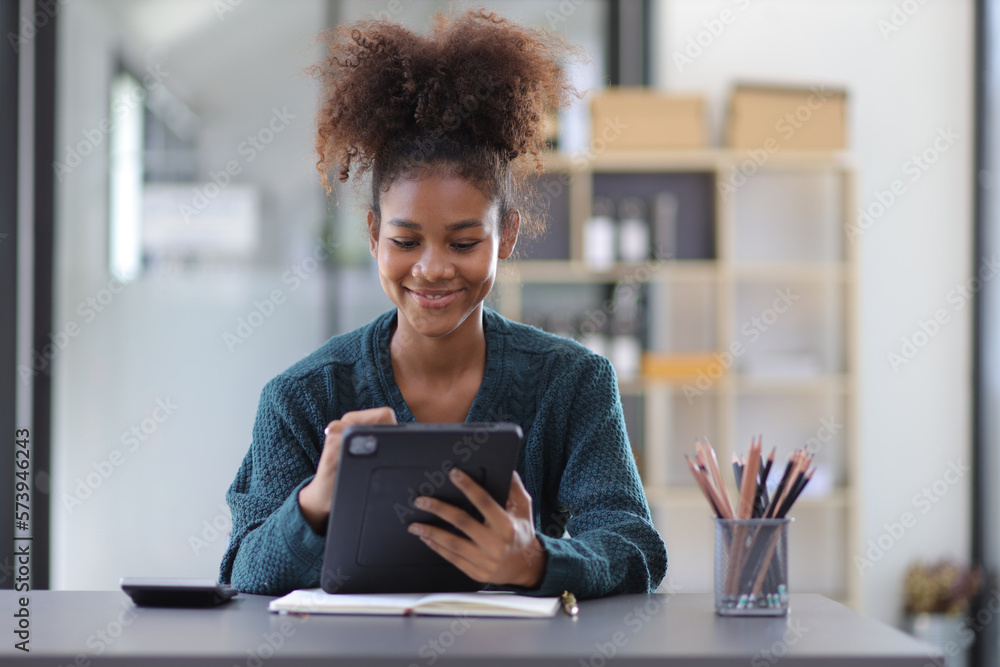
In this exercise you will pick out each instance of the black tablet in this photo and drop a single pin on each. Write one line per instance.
(383, 469)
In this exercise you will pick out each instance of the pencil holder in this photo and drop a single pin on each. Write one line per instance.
(751, 567)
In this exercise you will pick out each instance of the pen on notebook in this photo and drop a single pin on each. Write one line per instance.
(569, 604)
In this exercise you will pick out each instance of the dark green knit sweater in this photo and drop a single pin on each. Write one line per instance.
(575, 460)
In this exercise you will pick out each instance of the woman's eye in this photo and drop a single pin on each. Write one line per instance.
(465, 247)
(403, 243)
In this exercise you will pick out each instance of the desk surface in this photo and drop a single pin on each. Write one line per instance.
(83, 628)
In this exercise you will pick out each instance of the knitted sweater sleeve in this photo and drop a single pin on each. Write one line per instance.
(272, 549)
(612, 545)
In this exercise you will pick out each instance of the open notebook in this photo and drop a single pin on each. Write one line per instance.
(316, 601)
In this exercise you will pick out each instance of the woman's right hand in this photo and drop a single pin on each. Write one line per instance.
(316, 497)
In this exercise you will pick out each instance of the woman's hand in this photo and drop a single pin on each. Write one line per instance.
(502, 549)
(316, 497)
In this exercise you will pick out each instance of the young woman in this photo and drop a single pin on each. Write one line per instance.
(442, 125)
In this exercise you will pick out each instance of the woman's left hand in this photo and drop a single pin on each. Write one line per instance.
(502, 549)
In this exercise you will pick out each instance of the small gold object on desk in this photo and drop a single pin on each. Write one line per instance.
(569, 604)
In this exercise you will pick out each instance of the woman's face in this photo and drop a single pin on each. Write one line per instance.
(437, 247)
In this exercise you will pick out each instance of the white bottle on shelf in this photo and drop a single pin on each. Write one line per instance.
(599, 236)
(633, 230)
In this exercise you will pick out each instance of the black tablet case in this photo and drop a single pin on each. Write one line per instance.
(383, 468)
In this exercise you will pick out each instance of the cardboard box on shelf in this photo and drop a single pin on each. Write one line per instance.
(786, 118)
(644, 119)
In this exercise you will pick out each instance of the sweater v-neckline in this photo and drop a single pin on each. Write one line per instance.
(483, 409)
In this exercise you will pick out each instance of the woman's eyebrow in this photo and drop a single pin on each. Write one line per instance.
(451, 227)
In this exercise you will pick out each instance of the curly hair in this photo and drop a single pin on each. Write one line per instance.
(470, 98)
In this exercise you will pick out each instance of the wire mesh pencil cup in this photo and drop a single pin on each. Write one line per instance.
(751, 567)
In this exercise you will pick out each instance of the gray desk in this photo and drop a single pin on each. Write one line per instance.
(93, 628)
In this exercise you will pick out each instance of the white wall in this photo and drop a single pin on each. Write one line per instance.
(905, 86)
(156, 348)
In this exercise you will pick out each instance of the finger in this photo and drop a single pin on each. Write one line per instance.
(335, 429)
(382, 415)
(330, 456)
(478, 496)
(332, 432)
(458, 551)
(457, 517)
(518, 499)
(470, 568)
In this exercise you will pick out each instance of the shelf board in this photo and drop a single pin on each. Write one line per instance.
(576, 271)
(767, 271)
(831, 382)
(696, 159)
(740, 383)
(789, 160)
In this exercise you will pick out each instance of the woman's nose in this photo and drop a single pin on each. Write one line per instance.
(433, 266)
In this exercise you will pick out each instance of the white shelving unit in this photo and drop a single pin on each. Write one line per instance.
(777, 243)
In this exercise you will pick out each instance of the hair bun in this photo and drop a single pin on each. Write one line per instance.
(475, 79)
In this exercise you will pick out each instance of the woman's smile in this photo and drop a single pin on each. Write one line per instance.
(434, 299)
